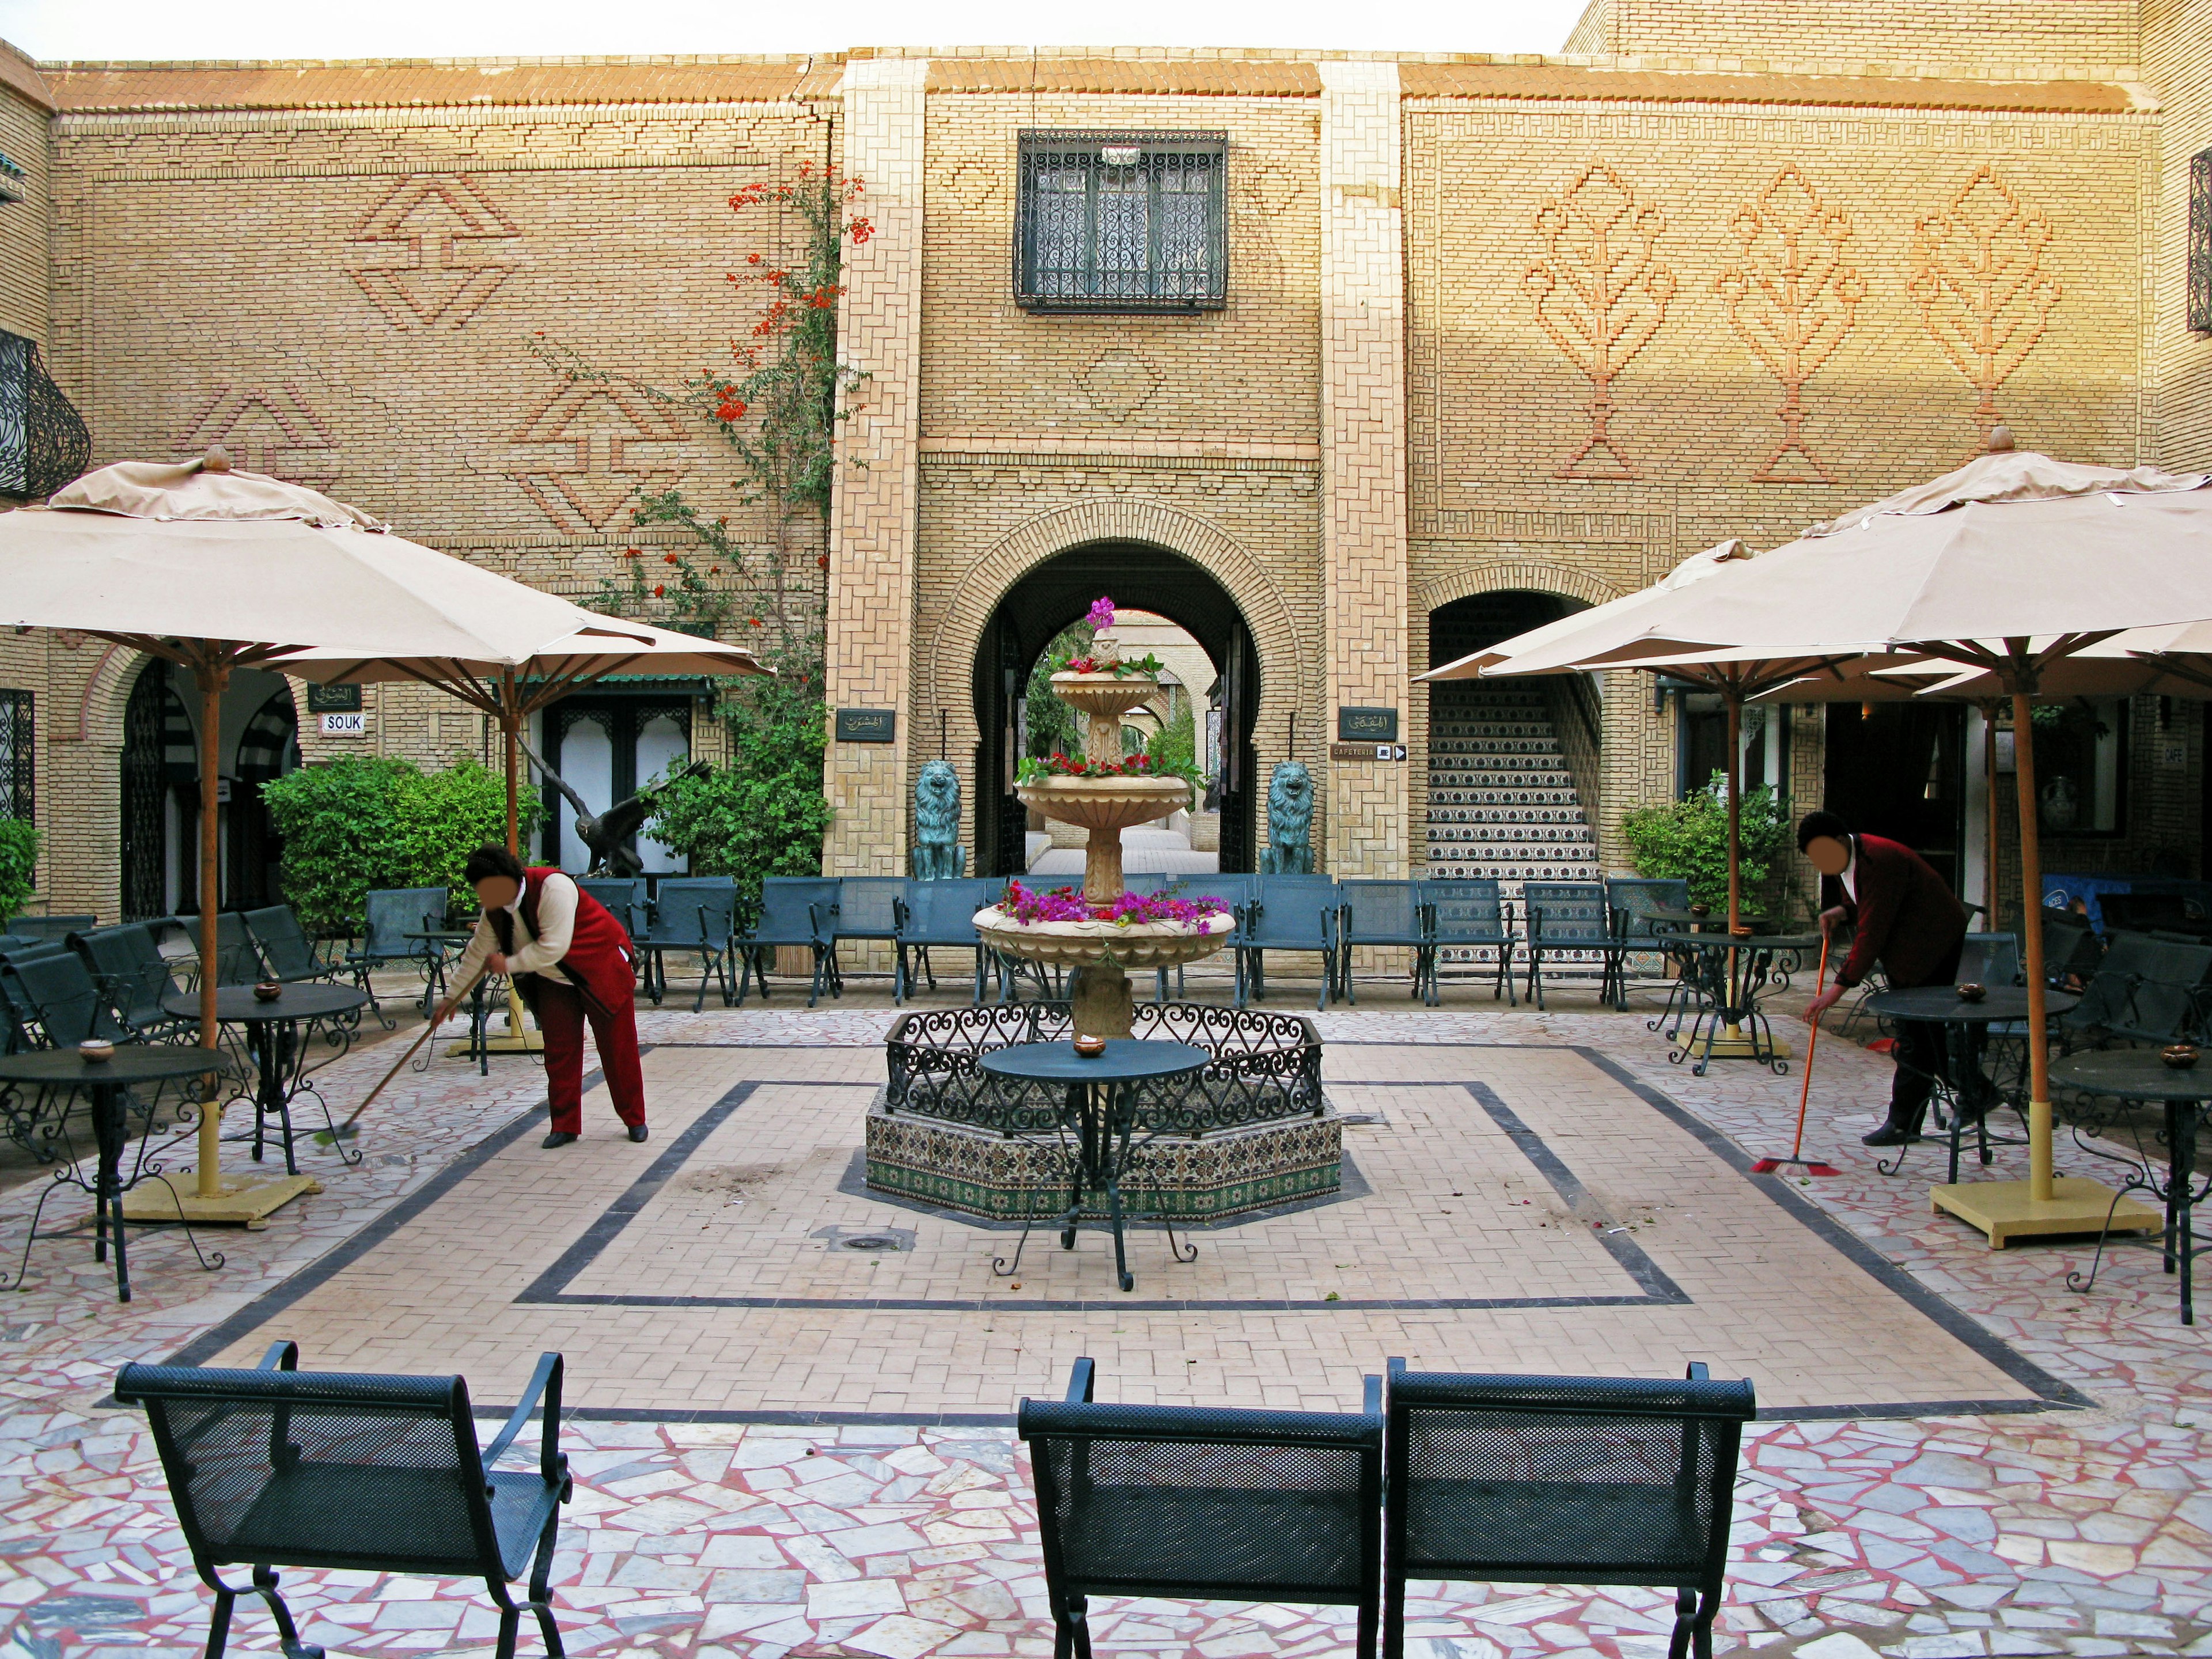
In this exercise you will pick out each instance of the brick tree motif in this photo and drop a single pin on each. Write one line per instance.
(268, 429)
(1978, 279)
(1791, 300)
(1601, 292)
(434, 251)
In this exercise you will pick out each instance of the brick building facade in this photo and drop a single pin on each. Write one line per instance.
(1491, 327)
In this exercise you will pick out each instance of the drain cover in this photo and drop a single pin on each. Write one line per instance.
(869, 1242)
(866, 1241)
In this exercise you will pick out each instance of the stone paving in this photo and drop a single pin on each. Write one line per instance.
(2079, 1531)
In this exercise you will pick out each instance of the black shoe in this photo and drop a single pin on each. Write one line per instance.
(558, 1137)
(1890, 1135)
(637, 1132)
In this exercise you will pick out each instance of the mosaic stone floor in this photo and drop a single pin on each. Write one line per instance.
(2084, 1531)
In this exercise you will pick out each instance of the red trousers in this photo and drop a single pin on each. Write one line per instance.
(560, 1012)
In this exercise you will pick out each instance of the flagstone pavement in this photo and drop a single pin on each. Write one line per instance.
(2073, 1522)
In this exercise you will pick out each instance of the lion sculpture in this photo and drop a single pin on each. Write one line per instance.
(938, 854)
(1288, 851)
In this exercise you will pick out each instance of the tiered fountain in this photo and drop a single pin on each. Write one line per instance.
(1101, 951)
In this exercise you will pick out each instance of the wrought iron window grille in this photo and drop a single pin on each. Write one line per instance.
(2200, 241)
(43, 441)
(12, 178)
(1122, 221)
(18, 755)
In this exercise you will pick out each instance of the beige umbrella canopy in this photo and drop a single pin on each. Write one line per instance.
(217, 570)
(2009, 565)
(511, 689)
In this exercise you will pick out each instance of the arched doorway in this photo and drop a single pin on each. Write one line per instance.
(160, 792)
(1057, 591)
(1512, 764)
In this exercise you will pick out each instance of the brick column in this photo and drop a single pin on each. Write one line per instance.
(1363, 448)
(872, 517)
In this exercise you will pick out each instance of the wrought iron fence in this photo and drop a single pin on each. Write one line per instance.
(2200, 241)
(1266, 1068)
(43, 442)
(18, 758)
(1122, 221)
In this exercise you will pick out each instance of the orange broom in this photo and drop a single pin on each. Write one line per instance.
(1810, 1165)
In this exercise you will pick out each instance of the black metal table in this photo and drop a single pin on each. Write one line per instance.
(479, 1014)
(2138, 1075)
(108, 1085)
(1730, 976)
(1101, 1112)
(279, 1048)
(1964, 1088)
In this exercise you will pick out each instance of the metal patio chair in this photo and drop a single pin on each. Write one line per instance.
(623, 897)
(280, 1467)
(1205, 1502)
(1469, 914)
(1572, 915)
(236, 961)
(867, 909)
(1288, 912)
(941, 915)
(1388, 912)
(692, 916)
(795, 911)
(286, 951)
(389, 914)
(134, 977)
(52, 929)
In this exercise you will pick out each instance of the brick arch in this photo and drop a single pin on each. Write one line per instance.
(107, 694)
(1533, 575)
(1288, 664)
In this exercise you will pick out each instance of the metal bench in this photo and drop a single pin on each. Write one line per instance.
(1469, 914)
(1563, 1480)
(278, 1467)
(795, 911)
(1205, 1502)
(1572, 915)
(1287, 913)
(692, 916)
(941, 915)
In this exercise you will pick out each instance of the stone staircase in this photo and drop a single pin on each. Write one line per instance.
(1502, 803)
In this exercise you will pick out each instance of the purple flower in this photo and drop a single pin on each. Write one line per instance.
(1067, 904)
(1102, 612)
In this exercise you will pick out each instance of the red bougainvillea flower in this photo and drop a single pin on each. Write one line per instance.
(668, 558)
(658, 590)
(753, 621)
(859, 230)
(822, 560)
(630, 552)
(713, 570)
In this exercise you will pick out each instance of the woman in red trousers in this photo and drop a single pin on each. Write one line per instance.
(571, 961)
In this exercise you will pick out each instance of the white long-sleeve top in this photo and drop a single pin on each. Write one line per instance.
(538, 953)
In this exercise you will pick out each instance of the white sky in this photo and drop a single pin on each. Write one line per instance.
(170, 29)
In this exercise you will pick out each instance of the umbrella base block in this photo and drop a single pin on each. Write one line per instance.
(530, 1043)
(2005, 1211)
(1735, 1042)
(247, 1204)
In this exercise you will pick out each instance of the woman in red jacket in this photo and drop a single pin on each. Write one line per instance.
(570, 960)
(1905, 916)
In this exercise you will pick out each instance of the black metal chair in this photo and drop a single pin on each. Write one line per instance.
(1634, 901)
(941, 915)
(55, 929)
(236, 961)
(134, 974)
(286, 951)
(795, 911)
(1386, 914)
(1205, 1502)
(867, 909)
(624, 896)
(2071, 947)
(2144, 913)
(1287, 913)
(67, 1003)
(389, 914)
(692, 916)
(1468, 914)
(1572, 917)
(278, 1467)
(1563, 1480)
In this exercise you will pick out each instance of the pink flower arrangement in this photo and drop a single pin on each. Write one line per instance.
(1026, 908)
(1102, 613)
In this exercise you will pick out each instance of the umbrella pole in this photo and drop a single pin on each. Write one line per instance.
(1990, 812)
(1732, 1042)
(520, 1038)
(2043, 1205)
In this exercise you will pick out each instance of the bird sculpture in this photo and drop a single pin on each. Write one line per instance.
(607, 834)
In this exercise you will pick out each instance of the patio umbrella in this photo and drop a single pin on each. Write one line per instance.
(510, 691)
(2010, 564)
(217, 570)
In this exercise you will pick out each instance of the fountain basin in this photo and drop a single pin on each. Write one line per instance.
(1111, 803)
(1102, 697)
(1138, 945)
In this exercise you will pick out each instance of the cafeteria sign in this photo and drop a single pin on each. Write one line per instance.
(868, 725)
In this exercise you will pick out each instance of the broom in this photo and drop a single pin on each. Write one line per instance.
(346, 1131)
(1811, 1166)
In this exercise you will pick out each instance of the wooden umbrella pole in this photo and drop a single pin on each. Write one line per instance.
(2040, 1176)
(212, 675)
(509, 720)
(1990, 884)
(1734, 700)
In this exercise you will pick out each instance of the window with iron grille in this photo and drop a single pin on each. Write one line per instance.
(2200, 241)
(1122, 221)
(43, 442)
(17, 756)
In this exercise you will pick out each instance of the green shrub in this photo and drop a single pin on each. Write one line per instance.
(1687, 840)
(735, 823)
(19, 857)
(363, 821)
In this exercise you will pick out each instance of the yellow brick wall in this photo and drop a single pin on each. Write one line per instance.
(2178, 58)
(2033, 40)
(24, 225)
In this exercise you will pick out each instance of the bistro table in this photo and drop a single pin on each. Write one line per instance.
(1969, 1101)
(2139, 1075)
(1102, 1110)
(279, 1048)
(1730, 976)
(108, 1084)
(480, 1045)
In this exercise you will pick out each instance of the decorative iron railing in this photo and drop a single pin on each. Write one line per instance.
(1122, 221)
(18, 757)
(1266, 1068)
(43, 442)
(2200, 241)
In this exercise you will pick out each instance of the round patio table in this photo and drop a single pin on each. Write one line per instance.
(107, 1083)
(1731, 976)
(2138, 1075)
(1102, 1108)
(1940, 1005)
(279, 1046)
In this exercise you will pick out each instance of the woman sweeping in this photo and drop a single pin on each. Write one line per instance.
(570, 960)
